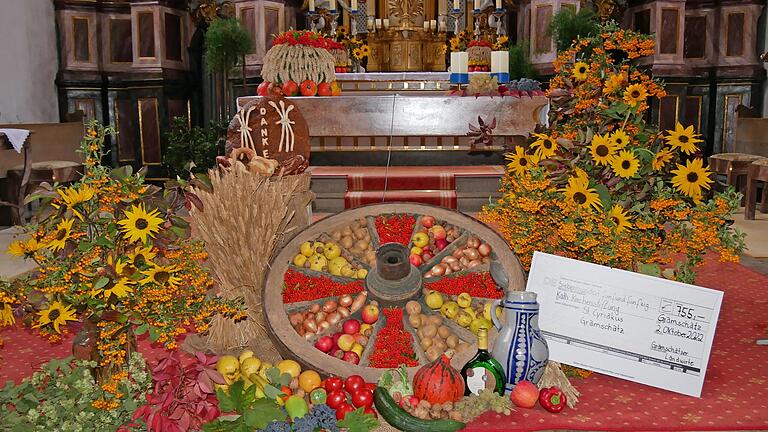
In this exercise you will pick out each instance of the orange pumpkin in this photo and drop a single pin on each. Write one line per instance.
(438, 382)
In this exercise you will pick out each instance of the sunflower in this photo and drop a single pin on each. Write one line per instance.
(619, 139)
(691, 178)
(683, 139)
(519, 162)
(56, 314)
(635, 94)
(62, 234)
(602, 149)
(357, 53)
(580, 70)
(455, 42)
(6, 316)
(141, 256)
(625, 164)
(140, 224)
(73, 196)
(366, 50)
(615, 82)
(619, 218)
(661, 158)
(16, 248)
(161, 275)
(119, 288)
(545, 146)
(579, 192)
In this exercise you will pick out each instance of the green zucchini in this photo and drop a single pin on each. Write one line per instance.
(399, 418)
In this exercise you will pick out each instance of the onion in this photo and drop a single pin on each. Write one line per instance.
(345, 300)
(458, 253)
(310, 326)
(471, 253)
(439, 269)
(344, 312)
(448, 271)
(329, 306)
(473, 242)
(320, 317)
(464, 261)
(451, 259)
(301, 331)
(309, 335)
(314, 308)
(474, 263)
(309, 316)
(296, 318)
(455, 266)
(359, 302)
(323, 326)
(429, 275)
(486, 260)
(333, 318)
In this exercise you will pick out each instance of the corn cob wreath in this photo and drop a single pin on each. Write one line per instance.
(298, 63)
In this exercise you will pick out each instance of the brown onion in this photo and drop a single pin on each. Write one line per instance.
(474, 263)
(450, 259)
(310, 326)
(301, 331)
(309, 316)
(458, 253)
(314, 308)
(486, 260)
(344, 312)
(345, 300)
(439, 269)
(455, 266)
(448, 271)
(309, 335)
(296, 318)
(464, 261)
(320, 316)
(323, 326)
(329, 306)
(429, 275)
(484, 249)
(471, 253)
(358, 302)
(473, 242)
(333, 317)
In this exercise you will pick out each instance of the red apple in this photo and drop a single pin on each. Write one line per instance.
(346, 341)
(351, 357)
(343, 410)
(290, 88)
(308, 88)
(324, 89)
(426, 256)
(351, 326)
(336, 337)
(338, 354)
(370, 314)
(416, 260)
(439, 232)
(263, 88)
(440, 244)
(325, 344)
(361, 339)
(525, 394)
(427, 221)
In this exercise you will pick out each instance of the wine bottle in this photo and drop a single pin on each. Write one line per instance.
(483, 371)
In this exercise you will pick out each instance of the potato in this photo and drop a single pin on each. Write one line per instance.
(424, 320)
(426, 343)
(414, 320)
(413, 307)
(363, 222)
(435, 320)
(429, 330)
(433, 353)
(336, 236)
(361, 244)
(439, 344)
(346, 231)
(360, 233)
(347, 242)
(444, 332)
(452, 341)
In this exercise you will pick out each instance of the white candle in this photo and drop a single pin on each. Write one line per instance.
(456, 5)
(332, 4)
(378, 23)
(370, 24)
(354, 4)
(498, 4)
(385, 21)
(426, 25)
(443, 26)
(311, 5)
(433, 24)
(477, 4)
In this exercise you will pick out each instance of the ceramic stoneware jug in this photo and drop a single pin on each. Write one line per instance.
(520, 348)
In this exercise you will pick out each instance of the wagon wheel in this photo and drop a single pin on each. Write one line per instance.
(413, 284)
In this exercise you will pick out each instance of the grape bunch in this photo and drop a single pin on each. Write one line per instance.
(524, 84)
(321, 416)
(472, 406)
(278, 426)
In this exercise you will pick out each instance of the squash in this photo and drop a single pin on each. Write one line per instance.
(438, 382)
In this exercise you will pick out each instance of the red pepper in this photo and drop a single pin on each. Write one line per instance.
(552, 399)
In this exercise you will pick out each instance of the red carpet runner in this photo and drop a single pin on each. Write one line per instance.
(734, 389)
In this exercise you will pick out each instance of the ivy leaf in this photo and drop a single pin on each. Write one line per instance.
(225, 402)
(272, 392)
(236, 395)
(357, 421)
(263, 412)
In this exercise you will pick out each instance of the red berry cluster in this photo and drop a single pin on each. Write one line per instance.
(394, 344)
(304, 37)
(482, 43)
(300, 287)
(476, 284)
(396, 228)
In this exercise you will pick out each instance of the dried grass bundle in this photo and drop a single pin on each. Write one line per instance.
(555, 377)
(244, 219)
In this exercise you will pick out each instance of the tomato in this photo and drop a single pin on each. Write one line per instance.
(343, 410)
(353, 383)
(287, 392)
(333, 384)
(362, 398)
(336, 398)
(371, 387)
(371, 411)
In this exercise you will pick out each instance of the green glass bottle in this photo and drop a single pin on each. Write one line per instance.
(483, 371)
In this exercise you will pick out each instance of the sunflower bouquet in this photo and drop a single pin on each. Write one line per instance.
(603, 186)
(115, 253)
(356, 48)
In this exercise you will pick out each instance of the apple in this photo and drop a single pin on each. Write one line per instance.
(426, 256)
(351, 357)
(325, 344)
(324, 89)
(290, 88)
(440, 244)
(338, 354)
(420, 239)
(351, 326)
(336, 337)
(525, 394)
(361, 339)
(366, 329)
(346, 341)
(308, 88)
(417, 250)
(370, 314)
(357, 349)
(263, 88)
(416, 260)
(438, 232)
(427, 221)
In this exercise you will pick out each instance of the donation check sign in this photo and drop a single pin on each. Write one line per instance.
(628, 325)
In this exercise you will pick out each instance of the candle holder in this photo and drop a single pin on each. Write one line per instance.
(334, 17)
(353, 21)
(314, 20)
(498, 15)
(476, 16)
(456, 14)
